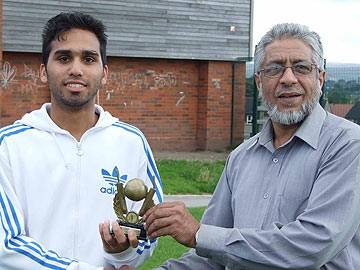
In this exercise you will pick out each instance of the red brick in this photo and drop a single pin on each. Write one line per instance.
(178, 104)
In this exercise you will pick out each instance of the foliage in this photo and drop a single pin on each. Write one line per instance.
(189, 177)
(342, 91)
(168, 248)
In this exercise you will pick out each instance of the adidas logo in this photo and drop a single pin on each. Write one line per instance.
(112, 179)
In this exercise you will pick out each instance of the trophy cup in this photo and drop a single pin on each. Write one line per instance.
(135, 190)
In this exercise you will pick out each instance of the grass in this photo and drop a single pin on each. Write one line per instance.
(168, 248)
(189, 177)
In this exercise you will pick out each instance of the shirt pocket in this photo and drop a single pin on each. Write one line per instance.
(294, 196)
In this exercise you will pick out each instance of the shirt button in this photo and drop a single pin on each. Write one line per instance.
(266, 195)
(275, 160)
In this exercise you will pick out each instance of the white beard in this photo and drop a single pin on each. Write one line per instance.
(291, 117)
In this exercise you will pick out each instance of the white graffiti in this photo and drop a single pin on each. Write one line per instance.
(144, 80)
(216, 83)
(33, 82)
(182, 96)
(7, 74)
(108, 94)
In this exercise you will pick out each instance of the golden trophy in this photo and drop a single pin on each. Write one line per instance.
(135, 190)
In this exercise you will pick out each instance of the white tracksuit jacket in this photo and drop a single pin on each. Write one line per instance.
(54, 192)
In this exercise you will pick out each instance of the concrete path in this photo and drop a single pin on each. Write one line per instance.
(199, 155)
(190, 200)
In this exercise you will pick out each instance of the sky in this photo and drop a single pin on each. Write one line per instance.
(336, 21)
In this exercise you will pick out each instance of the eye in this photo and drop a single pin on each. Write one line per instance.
(89, 59)
(63, 59)
(302, 68)
(272, 70)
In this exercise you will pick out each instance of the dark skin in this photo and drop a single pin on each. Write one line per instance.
(117, 242)
(172, 218)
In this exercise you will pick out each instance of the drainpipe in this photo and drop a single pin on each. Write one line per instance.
(233, 83)
(322, 100)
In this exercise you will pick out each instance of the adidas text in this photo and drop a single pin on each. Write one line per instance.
(109, 190)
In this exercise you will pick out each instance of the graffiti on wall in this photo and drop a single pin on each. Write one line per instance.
(143, 80)
(32, 78)
(27, 82)
(7, 74)
(119, 83)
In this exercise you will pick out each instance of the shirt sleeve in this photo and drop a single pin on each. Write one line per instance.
(318, 234)
(17, 250)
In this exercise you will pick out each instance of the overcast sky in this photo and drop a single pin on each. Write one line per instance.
(336, 21)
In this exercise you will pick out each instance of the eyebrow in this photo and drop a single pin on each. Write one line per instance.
(281, 62)
(84, 52)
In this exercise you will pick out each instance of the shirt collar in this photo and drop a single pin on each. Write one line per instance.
(309, 131)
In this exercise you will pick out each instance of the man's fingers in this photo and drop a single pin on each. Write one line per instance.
(159, 223)
(164, 205)
(166, 210)
(133, 241)
(105, 232)
(119, 233)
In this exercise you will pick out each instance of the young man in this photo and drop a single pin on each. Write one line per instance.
(59, 165)
(288, 197)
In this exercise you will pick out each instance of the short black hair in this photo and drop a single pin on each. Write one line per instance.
(64, 22)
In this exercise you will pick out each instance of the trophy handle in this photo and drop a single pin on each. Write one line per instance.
(148, 202)
(119, 201)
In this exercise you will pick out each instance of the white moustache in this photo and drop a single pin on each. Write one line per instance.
(280, 92)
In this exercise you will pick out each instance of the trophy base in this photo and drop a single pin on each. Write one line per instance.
(138, 228)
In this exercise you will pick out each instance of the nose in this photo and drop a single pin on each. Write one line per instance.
(288, 77)
(75, 69)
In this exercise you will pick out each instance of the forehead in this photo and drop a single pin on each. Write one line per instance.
(287, 51)
(76, 40)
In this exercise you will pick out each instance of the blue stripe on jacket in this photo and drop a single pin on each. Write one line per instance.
(6, 131)
(8, 217)
(151, 161)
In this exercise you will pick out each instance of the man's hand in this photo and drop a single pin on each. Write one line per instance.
(118, 241)
(172, 219)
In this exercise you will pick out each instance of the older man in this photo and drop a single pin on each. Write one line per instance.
(288, 197)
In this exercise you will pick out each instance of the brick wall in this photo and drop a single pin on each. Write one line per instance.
(180, 105)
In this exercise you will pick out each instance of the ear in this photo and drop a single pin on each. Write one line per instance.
(321, 80)
(105, 75)
(43, 74)
(322, 77)
(258, 81)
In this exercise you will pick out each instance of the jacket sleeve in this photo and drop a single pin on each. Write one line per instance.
(315, 237)
(17, 250)
(148, 172)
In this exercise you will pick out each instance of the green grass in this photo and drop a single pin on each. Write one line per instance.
(168, 248)
(189, 177)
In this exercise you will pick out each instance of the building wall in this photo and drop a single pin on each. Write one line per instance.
(182, 105)
(176, 29)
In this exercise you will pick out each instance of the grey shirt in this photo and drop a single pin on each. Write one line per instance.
(296, 207)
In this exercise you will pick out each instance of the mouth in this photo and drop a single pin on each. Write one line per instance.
(289, 95)
(75, 86)
(290, 98)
